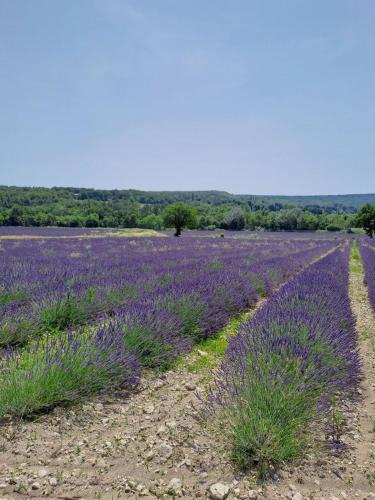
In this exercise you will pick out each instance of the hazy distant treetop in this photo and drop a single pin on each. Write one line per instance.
(12, 195)
(366, 219)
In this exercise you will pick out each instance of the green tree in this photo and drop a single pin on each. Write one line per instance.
(16, 216)
(234, 219)
(152, 221)
(179, 215)
(332, 227)
(366, 218)
(92, 220)
(75, 221)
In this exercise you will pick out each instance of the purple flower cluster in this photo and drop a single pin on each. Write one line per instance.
(289, 360)
(82, 315)
(54, 284)
(64, 367)
(367, 251)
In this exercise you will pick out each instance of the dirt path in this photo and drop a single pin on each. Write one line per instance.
(150, 446)
(119, 234)
(365, 317)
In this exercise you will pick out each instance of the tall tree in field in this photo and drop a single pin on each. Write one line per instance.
(366, 219)
(179, 215)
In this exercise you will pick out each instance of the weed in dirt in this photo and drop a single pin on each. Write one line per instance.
(355, 261)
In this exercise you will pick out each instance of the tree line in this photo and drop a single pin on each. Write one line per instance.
(211, 209)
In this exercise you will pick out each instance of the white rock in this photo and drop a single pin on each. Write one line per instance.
(174, 486)
(171, 424)
(165, 450)
(190, 386)
(43, 473)
(218, 491)
(53, 481)
(297, 496)
(35, 486)
(202, 353)
(101, 463)
(252, 494)
(149, 409)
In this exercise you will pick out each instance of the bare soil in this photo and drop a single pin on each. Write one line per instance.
(104, 234)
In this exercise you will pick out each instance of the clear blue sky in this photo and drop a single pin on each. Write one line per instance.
(247, 96)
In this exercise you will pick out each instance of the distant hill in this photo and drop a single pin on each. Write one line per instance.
(346, 202)
(33, 196)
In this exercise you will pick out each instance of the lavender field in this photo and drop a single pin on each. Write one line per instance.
(125, 304)
(84, 315)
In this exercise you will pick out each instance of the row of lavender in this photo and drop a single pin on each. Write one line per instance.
(66, 232)
(367, 251)
(58, 284)
(244, 234)
(180, 292)
(288, 364)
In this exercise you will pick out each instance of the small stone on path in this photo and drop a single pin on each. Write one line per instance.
(174, 486)
(165, 450)
(219, 491)
(297, 496)
(149, 409)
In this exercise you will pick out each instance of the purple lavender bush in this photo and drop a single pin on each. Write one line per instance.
(287, 363)
(367, 251)
(64, 368)
(152, 335)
